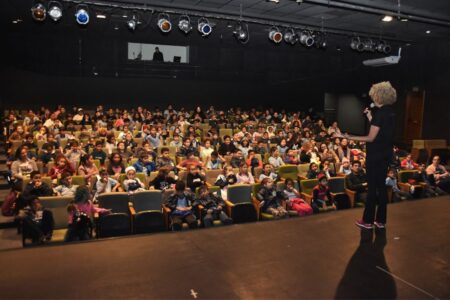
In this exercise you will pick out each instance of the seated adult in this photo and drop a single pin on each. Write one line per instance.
(408, 163)
(22, 166)
(439, 174)
(357, 182)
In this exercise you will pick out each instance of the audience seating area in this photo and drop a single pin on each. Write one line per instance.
(288, 143)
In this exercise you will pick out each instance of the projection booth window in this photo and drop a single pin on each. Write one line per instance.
(145, 52)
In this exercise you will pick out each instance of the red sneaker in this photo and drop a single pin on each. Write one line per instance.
(379, 225)
(361, 224)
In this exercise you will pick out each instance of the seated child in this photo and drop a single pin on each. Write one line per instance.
(105, 184)
(322, 196)
(294, 200)
(213, 161)
(180, 203)
(37, 222)
(225, 179)
(145, 164)
(66, 188)
(270, 200)
(268, 173)
(195, 178)
(163, 180)
(397, 194)
(132, 184)
(213, 206)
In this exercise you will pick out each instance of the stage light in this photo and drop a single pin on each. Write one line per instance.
(55, 10)
(383, 47)
(241, 33)
(131, 23)
(204, 27)
(100, 16)
(82, 15)
(306, 38)
(387, 18)
(164, 23)
(184, 24)
(290, 36)
(356, 44)
(275, 35)
(39, 12)
(320, 40)
(369, 45)
(428, 31)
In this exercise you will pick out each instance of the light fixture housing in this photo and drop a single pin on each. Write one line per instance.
(38, 12)
(82, 15)
(241, 32)
(164, 23)
(307, 38)
(357, 44)
(290, 36)
(132, 23)
(184, 24)
(204, 27)
(320, 40)
(55, 10)
(275, 35)
(383, 47)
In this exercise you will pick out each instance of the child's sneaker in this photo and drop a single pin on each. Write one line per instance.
(361, 224)
(379, 225)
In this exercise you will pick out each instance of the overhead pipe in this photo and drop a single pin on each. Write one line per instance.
(378, 11)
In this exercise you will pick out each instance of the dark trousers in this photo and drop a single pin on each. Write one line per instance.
(77, 233)
(377, 197)
(38, 230)
(208, 219)
(177, 222)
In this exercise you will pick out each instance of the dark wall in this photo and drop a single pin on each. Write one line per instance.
(45, 69)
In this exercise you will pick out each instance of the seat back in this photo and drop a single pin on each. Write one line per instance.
(225, 131)
(288, 172)
(405, 175)
(255, 188)
(211, 175)
(147, 200)
(336, 185)
(78, 180)
(117, 202)
(240, 193)
(303, 169)
(58, 206)
(308, 185)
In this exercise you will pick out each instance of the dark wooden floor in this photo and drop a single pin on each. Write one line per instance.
(323, 256)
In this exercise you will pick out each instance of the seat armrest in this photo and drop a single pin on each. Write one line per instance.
(351, 195)
(230, 206)
(132, 211)
(405, 187)
(256, 203)
(307, 198)
(166, 213)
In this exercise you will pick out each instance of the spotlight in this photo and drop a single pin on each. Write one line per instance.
(275, 35)
(241, 33)
(82, 15)
(320, 39)
(55, 10)
(164, 23)
(204, 27)
(383, 47)
(369, 45)
(184, 24)
(38, 12)
(356, 44)
(131, 23)
(290, 37)
(306, 38)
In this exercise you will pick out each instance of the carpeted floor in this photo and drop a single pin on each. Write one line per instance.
(322, 257)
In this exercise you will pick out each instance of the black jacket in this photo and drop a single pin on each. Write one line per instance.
(270, 197)
(210, 201)
(354, 182)
(172, 201)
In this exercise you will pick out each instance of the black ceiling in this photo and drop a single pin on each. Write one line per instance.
(286, 12)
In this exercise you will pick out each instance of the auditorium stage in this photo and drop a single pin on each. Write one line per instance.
(323, 256)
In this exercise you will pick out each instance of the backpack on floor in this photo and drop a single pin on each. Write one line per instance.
(9, 203)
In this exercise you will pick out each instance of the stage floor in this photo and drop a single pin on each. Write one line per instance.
(322, 256)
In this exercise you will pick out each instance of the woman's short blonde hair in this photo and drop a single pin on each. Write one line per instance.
(383, 93)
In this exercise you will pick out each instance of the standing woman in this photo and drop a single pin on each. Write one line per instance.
(379, 153)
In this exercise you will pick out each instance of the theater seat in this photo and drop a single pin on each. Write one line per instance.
(288, 172)
(118, 222)
(240, 205)
(337, 191)
(146, 211)
(307, 187)
(280, 187)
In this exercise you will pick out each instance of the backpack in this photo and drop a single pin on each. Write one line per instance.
(9, 204)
